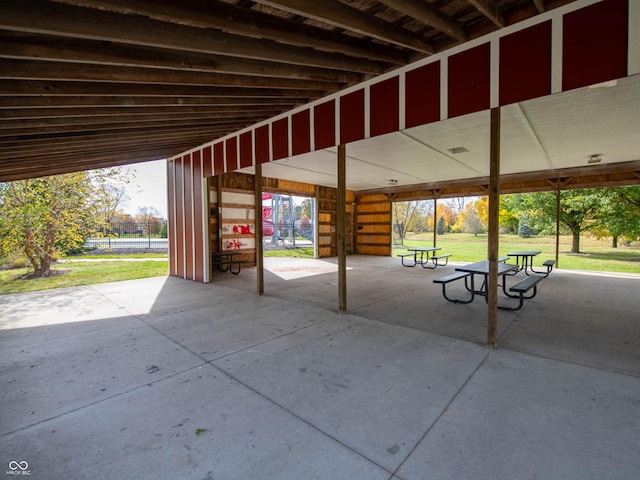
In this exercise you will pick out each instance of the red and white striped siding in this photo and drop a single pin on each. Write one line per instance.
(584, 43)
(188, 218)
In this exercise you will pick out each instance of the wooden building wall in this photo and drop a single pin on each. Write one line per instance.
(374, 225)
(232, 214)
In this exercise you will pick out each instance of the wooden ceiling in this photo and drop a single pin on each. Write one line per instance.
(93, 83)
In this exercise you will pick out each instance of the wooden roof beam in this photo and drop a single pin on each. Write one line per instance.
(43, 17)
(86, 52)
(86, 113)
(491, 10)
(132, 101)
(430, 15)
(247, 22)
(539, 5)
(340, 15)
(12, 88)
(44, 70)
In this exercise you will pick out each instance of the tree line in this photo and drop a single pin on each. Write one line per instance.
(602, 212)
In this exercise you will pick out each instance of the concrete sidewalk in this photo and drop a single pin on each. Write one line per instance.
(164, 378)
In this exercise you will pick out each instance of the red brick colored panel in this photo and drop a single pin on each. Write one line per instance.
(594, 47)
(324, 125)
(385, 106)
(422, 95)
(525, 64)
(171, 220)
(179, 227)
(262, 144)
(207, 161)
(301, 132)
(188, 217)
(218, 158)
(469, 81)
(352, 117)
(198, 226)
(280, 138)
(231, 145)
(246, 149)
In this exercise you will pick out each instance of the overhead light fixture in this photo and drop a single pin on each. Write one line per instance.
(594, 158)
(456, 150)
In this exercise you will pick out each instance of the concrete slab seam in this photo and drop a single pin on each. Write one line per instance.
(304, 420)
(453, 397)
(102, 400)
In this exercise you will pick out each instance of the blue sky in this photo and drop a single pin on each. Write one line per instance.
(151, 180)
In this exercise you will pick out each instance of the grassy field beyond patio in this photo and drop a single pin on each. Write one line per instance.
(596, 255)
(85, 272)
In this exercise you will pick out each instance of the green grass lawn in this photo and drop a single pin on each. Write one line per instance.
(84, 272)
(596, 255)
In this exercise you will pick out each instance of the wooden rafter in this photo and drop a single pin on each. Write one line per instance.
(429, 15)
(340, 15)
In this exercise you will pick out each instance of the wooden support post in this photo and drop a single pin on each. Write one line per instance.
(219, 203)
(557, 225)
(494, 200)
(435, 219)
(341, 225)
(258, 229)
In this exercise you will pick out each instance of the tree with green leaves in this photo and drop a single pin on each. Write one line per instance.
(48, 216)
(580, 211)
(620, 218)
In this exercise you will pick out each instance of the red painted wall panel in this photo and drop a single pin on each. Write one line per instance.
(280, 138)
(422, 95)
(385, 106)
(246, 149)
(301, 132)
(469, 81)
(207, 161)
(218, 158)
(198, 225)
(231, 145)
(595, 46)
(179, 227)
(324, 125)
(525, 64)
(188, 217)
(262, 144)
(171, 220)
(352, 117)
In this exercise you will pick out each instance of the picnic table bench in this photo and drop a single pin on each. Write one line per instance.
(531, 282)
(467, 273)
(421, 256)
(452, 278)
(549, 264)
(225, 261)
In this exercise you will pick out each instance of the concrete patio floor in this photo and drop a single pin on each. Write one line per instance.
(164, 378)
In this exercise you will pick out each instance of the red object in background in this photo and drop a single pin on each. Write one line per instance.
(267, 228)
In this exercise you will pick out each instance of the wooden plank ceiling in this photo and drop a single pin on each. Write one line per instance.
(95, 83)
